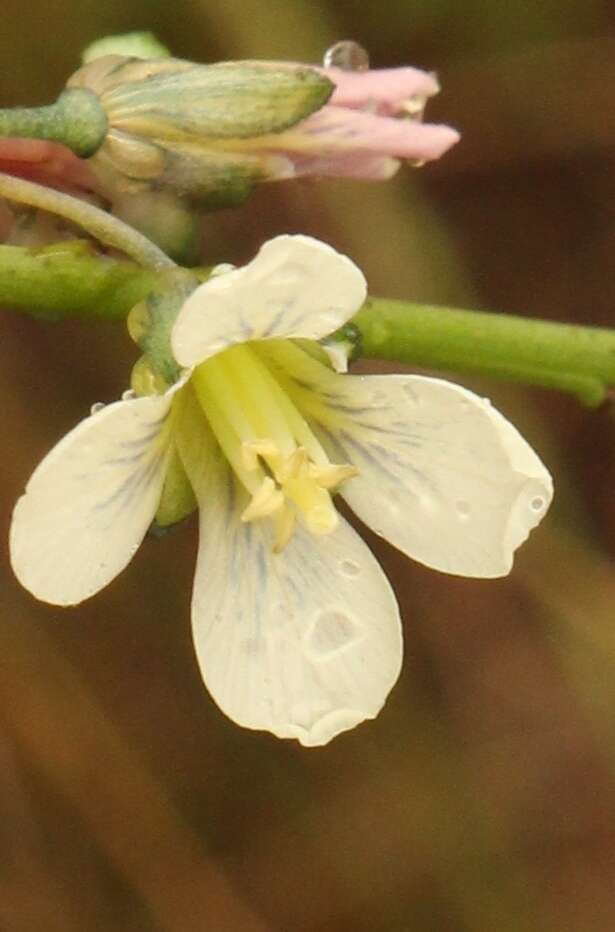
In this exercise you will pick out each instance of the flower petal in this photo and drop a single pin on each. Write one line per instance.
(295, 287)
(90, 502)
(305, 643)
(385, 88)
(336, 132)
(442, 475)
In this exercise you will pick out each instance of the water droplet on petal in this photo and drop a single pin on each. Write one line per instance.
(463, 509)
(347, 55)
(350, 568)
(252, 647)
(537, 504)
(332, 630)
(129, 395)
(96, 407)
(307, 714)
(221, 269)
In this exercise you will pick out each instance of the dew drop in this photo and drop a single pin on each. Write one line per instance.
(98, 406)
(221, 269)
(347, 55)
(537, 504)
(129, 395)
(463, 509)
(331, 631)
(350, 568)
(306, 715)
(251, 647)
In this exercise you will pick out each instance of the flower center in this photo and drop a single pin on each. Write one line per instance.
(269, 444)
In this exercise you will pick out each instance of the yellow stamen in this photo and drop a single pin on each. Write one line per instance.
(292, 466)
(329, 477)
(284, 525)
(252, 449)
(269, 444)
(314, 503)
(267, 500)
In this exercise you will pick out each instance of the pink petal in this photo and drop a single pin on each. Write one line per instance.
(349, 165)
(383, 90)
(334, 131)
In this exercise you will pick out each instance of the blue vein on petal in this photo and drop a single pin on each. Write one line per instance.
(141, 476)
(132, 484)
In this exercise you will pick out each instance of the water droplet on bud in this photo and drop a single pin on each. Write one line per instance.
(347, 55)
(98, 406)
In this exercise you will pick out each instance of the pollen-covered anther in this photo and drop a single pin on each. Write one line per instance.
(266, 501)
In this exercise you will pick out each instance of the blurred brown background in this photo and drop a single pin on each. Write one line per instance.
(483, 798)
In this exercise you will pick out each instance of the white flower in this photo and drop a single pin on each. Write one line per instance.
(296, 628)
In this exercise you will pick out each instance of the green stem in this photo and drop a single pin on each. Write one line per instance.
(69, 280)
(98, 223)
(66, 280)
(76, 119)
(570, 358)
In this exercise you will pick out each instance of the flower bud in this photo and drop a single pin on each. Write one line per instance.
(186, 127)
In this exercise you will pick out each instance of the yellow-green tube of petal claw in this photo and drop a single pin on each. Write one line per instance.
(177, 500)
(184, 127)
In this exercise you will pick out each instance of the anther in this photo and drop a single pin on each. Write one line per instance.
(265, 501)
(329, 477)
(251, 450)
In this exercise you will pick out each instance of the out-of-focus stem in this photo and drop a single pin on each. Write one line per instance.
(101, 225)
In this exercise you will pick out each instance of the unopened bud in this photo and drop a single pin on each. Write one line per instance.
(187, 127)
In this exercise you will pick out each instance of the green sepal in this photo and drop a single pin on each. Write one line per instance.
(171, 100)
(151, 321)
